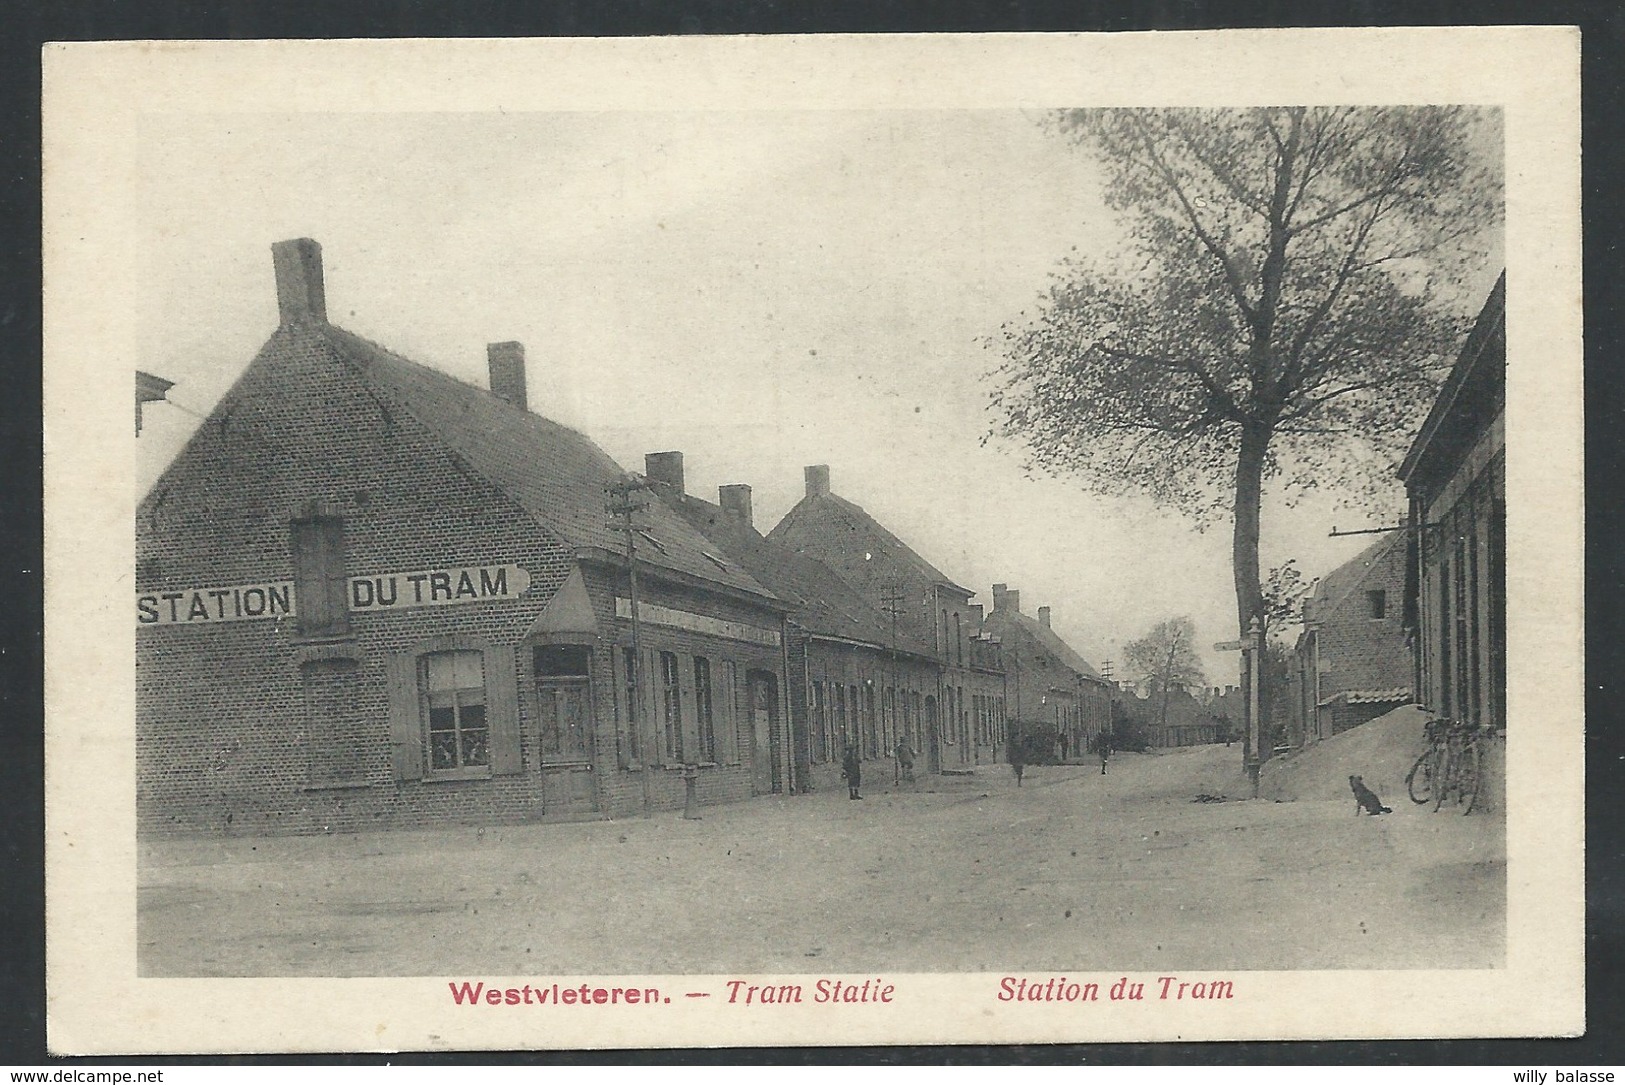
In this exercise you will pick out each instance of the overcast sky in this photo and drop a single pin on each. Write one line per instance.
(759, 290)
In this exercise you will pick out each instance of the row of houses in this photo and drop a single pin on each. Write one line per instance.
(1419, 617)
(371, 595)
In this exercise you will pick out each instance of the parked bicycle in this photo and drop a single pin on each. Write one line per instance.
(1419, 781)
(1452, 765)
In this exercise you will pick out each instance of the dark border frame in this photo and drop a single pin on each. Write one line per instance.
(29, 24)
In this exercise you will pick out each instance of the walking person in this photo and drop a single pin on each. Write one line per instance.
(905, 762)
(1016, 755)
(852, 769)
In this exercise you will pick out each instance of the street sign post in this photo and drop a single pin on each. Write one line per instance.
(1251, 647)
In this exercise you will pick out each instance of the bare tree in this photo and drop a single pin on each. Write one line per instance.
(1166, 658)
(1283, 309)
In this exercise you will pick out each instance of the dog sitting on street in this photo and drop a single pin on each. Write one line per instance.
(1366, 799)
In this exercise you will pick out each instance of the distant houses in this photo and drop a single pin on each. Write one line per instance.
(1051, 690)
(961, 721)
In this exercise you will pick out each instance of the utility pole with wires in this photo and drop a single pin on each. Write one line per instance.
(627, 498)
(891, 604)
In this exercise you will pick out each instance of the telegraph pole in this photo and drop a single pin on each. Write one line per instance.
(891, 602)
(627, 498)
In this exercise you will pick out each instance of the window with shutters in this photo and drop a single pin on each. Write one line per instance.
(671, 709)
(842, 728)
(454, 710)
(453, 691)
(627, 731)
(729, 699)
(704, 720)
(871, 728)
(319, 577)
(819, 724)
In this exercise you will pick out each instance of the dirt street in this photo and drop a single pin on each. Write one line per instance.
(1073, 871)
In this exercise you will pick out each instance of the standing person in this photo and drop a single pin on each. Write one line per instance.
(1017, 755)
(905, 760)
(852, 769)
(1105, 752)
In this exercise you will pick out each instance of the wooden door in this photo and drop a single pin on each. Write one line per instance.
(564, 741)
(764, 743)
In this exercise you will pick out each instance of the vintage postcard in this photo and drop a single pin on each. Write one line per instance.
(813, 540)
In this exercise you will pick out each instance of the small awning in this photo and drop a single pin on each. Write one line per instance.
(1399, 695)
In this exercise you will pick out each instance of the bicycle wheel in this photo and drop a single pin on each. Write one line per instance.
(1472, 765)
(1444, 777)
(1419, 781)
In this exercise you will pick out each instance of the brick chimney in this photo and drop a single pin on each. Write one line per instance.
(999, 592)
(300, 297)
(1043, 617)
(665, 469)
(506, 366)
(736, 499)
(817, 480)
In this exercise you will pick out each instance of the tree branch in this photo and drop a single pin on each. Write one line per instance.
(1232, 276)
(1216, 392)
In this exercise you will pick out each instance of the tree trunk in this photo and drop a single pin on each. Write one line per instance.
(1244, 543)
(1255, 440)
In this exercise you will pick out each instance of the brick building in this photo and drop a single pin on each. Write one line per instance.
(369, 594)
(960, 720)
(1352, 661)
(854, 674)
(1048, 684)
(1455, 479)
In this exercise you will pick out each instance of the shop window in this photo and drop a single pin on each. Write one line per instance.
(453, 687)
(319, 576)
(819, 723)
(871, 729)
(671, 709)
(842, 727)
(706, 723)
(732, 717)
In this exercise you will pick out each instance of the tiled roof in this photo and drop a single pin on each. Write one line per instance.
(824, 603)
(1335, 586)
(1000, 620)
(828, 511)
(555, 473)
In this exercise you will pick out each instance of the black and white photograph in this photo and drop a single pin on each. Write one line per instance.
(813, 541)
